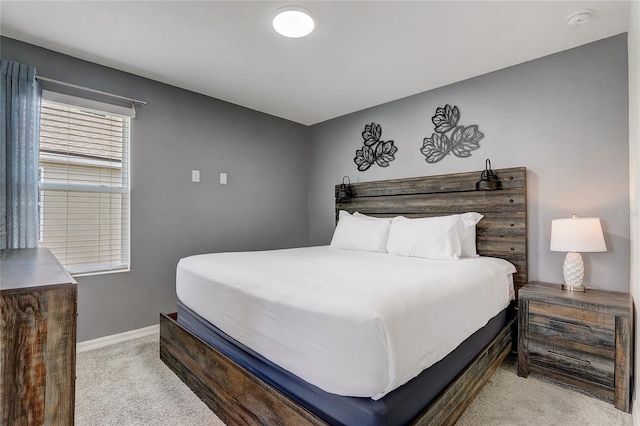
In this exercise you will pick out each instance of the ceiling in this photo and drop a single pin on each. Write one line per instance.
(361, 53)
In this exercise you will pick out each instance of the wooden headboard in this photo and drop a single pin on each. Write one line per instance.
(501, 233)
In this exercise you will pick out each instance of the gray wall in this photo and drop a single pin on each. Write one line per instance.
(264, 206)
(564, 117)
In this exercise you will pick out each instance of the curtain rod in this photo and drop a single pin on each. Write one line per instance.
(86, 89)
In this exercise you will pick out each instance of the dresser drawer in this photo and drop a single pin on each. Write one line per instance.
(577, 361)
(562, 325)
(574, 342)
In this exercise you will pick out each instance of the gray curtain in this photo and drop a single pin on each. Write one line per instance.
(19, 146)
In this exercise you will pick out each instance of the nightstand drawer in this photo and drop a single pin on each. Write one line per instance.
(560, 324)
(575, 360)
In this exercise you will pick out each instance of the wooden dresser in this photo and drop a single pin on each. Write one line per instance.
(582, 339)
(37, 339)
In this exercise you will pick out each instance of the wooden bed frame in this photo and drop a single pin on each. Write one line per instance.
(239, 397)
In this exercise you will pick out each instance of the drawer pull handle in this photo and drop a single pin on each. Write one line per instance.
(578, 360)
(586, 327)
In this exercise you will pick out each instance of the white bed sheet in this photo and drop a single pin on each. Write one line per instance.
(352, 323)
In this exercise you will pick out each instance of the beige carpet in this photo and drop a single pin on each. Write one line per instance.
(127, 384)
(511, 400)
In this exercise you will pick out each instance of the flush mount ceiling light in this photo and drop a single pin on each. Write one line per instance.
(579, 18)
(293, 22)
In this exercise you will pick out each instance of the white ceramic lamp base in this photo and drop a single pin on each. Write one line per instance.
(573, 271)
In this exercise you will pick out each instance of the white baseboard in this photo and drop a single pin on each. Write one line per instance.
(117, 338)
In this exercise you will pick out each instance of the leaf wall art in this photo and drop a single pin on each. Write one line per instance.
(374, 150)
(460, 141)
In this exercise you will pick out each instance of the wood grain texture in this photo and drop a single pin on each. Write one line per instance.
(37, 340)
(582, 339)
(501, 233)
(31, 268)
(523, 337)
(608, 302)
(239, 398)
(623, 364)
(603, 392)
(601, 339)
(451, 403)
(456, 182)
(236, 396)
(579, 361)
(61, 355)
(22, 367)
(509, 200)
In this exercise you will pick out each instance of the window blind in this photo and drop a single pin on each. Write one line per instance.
(84, 186)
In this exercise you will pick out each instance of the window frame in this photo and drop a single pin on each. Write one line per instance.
(124, 164)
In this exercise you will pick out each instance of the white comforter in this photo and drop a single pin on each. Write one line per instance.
(352, 323)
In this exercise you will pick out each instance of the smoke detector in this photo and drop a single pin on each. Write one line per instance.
(579, 18)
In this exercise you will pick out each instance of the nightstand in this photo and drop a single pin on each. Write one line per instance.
(581, 339)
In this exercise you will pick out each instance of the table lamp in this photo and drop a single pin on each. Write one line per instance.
(575, 235)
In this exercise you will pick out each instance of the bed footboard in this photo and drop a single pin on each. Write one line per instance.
(235, 395)
(240, 398)
(452, 402)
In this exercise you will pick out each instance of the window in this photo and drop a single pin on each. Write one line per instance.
(84, 184)
(40, 206)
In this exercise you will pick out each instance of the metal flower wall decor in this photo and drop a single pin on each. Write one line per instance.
(461, 141)
(374, 150)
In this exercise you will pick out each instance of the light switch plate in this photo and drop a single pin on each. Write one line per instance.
(195, 175)
(223, 178)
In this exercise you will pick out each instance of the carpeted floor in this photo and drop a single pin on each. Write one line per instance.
(511, 400)
(127, 384)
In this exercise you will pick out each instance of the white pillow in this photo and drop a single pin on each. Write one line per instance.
(357, 233)
(438, 238)
(364, 216)
(469, 222)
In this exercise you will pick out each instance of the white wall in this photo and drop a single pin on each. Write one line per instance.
(564, 117)
(634, 173)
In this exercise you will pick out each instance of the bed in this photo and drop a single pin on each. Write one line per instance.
(383, 382)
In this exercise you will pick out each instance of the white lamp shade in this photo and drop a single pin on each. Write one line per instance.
(577, 234)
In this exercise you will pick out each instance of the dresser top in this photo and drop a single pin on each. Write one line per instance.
(28, 268)
(592, 299)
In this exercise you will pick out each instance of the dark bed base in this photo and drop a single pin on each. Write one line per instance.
(238, 397)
